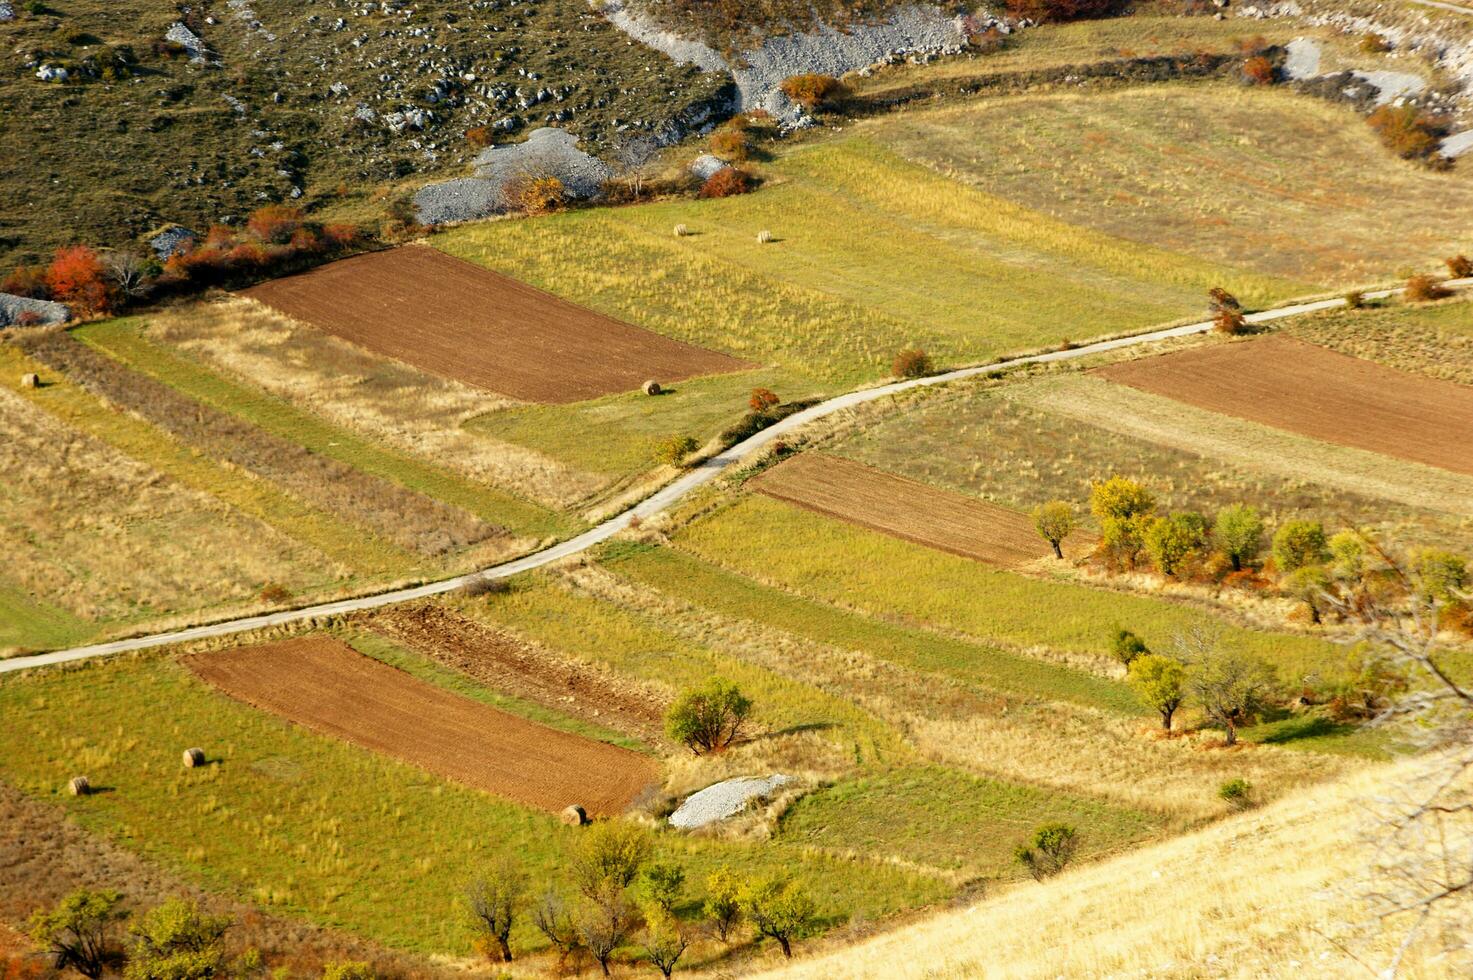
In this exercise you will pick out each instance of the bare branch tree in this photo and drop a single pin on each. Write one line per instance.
(125, 268)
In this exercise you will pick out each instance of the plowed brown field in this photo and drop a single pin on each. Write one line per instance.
(906, 509)
(458, 320)
(327, 686)
(1302, 388)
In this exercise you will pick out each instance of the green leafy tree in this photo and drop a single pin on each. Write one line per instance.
(612, 854)
(1231, 687)
(1124, 509)
(1300, 543)
(779, 909)
(177, 941)
(1441, 576)
(662, 884)
(1161, 684)
(708, 718)
(1172, 541)
(1054, 522)
(1238, 533)
(1125, 646)
(491, 902)
(1348, 555)
(1050, 850)
(723, 901)
(80, 932)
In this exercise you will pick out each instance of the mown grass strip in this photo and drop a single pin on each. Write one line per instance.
(311, 826)
(28, 624)
(366, 555)
(703, 584)
(122, 341)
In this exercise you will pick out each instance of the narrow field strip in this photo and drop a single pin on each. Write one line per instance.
(677, 573)
(422, 306)
(26, 623)
(341, 543)
(121, 341)
(332, 689)
(408, 519)
(917, 512)
(1289, 384)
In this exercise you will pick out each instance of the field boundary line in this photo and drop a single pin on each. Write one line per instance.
(699, 475)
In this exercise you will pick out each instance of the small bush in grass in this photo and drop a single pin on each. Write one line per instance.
(1425, 289)
(1355, 300)
(763, 400)
(675, 449)
(275, 594)
(274, 223)
(726, 182)
(1374, 44)
(348, 970)
(536, 194)
(912, 363)
(1258, 70)
(1049, 851)
(814, 91)
(708, 718)
(1236, 793)
(1127, 648)
(1406, 131)
(479, 137)
(730, 145)
(1460, 266)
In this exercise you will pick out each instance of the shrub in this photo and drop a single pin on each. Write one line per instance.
(1050, 850)
(348, 970)
(1172, 541)
(274, 223)
(763, 400)
(1425, 289)
(76, 277)
(813, 91)
(1236, 793)
(726, 182)
(27, 280)
(662, 884)
(708, 718)
(1355, 299)
(177, 940)
(779, 909)
(1310, 585)
(1160, 683)
(730, 144)
(665, 942)
(1258, 70)
(1060, 11)
(536, 193)
(1054, 522)
(1298, 544)
(1441, 576)
(1227, 312)
(80, 931)
(1126, 647)
(1406, 131)
(479, 137)
(1460, 266)
(675, 449)
(912, 363)
(1374, 44)
(1239, 534)
(1220, 299)
(1229, 322)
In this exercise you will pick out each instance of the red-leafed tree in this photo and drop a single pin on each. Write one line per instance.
(76, 277)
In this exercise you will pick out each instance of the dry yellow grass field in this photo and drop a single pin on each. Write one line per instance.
(1266, 893)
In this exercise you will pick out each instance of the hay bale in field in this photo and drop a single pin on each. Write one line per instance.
(574, 816)
(764, 237)
(194, 758)
(651, 388)
(79, 786)
(30, 381)
(681, 231)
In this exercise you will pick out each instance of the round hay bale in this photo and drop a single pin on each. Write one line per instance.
(30, 381)
(79, 786)
(194, 758)
(681, 231)
(764, 237)
(574, 816)
(651, 388)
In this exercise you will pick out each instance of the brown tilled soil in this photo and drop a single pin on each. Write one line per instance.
(408, 518)
(44, 856)
(506, 664)
(1288, 384)
(330, 688)
(906, 509)
(461, 321)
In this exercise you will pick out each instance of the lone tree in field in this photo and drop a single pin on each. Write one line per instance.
(1173, 541)
(723, 901)
(1300, 543)
(1126, 647)
(177, 940)
(1124, 509)
(80, 933)
(1238, 534)
(912, 363)
(1160, 682)
(708, 718)
(491, 901)
(1051, 849)
(1230, 687)
(779, 909)
(1054, 522)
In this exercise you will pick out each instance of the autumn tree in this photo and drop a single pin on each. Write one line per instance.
(1230, 687)
(76, 277)
(1124, 509)
(723, 901)
(1126, 647)
(779, 909)
(491, 902)
(177, 941)
(1160, 683)
(912, 363)
(763, 400)
(1054, 522)
(1238, 534)
(665, 941)
(662, 883)
(814, 91)
(708, 718)
(1300, 543)
(80, 932)
(1172, 541)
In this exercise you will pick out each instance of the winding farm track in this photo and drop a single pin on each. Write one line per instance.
(671, 493)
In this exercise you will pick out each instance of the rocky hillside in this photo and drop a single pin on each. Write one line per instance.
(122, 115)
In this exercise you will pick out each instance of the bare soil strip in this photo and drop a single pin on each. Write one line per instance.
(327, 686)
(506, 664)
(407, 518)
(458, 320)
(918, 512)
(1299, 387)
